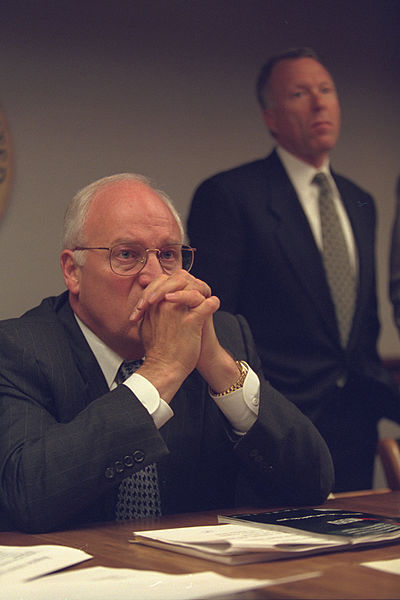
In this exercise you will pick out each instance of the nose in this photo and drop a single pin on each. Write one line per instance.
(151, 269)
(318, 100)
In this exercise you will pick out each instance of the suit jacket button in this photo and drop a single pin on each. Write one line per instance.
(119, 467)
(341, 381)
(128, 460)
(138, 456)
(109, 473)
(266, 468)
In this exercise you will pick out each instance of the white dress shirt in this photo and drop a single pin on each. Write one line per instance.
(301, 175)
(239, 407)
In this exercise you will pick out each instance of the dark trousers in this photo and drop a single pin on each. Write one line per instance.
(348, 423)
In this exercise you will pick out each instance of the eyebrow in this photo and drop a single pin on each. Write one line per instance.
(324, 82)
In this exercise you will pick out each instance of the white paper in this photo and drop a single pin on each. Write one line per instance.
(100, 583)
(231, 539)
(388, 566)
(20, 563)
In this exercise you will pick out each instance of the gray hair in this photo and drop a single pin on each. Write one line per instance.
(264, 76)
(77, 211)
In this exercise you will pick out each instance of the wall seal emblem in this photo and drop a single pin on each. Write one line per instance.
(6, 162)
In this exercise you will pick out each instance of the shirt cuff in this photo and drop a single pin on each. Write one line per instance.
(241, 406)
(148, 395)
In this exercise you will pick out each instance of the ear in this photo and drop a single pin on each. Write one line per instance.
(71, 271)
(269, 120)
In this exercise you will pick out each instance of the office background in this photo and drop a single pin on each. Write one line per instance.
(166, 88)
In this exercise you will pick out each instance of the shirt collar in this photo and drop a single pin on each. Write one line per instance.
(109, 361)
(300, 173)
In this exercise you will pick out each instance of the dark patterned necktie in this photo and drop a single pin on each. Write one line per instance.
(139, 494)
(340, 275)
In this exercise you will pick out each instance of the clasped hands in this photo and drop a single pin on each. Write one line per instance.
(174, 315)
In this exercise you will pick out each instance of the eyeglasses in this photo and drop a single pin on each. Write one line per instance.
(130, 259)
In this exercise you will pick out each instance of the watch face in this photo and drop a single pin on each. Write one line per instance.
(5, 162)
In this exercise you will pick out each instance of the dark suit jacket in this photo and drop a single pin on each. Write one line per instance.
(257, 251)
(66, 441)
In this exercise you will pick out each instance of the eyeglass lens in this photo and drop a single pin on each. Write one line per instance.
(127, 259)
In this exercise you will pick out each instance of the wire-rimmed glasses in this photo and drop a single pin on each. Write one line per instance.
(130, 259)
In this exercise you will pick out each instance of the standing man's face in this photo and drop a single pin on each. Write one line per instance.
(123, 212)
(303, 111)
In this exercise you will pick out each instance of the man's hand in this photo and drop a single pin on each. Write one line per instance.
(172, 313)
(181, 288)
(178, 331)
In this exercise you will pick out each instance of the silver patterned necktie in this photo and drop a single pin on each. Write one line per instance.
(339, 272)
(138, 494)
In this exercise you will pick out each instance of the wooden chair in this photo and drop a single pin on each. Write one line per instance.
(389, 453)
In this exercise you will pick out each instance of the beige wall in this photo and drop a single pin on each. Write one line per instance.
(165, 87)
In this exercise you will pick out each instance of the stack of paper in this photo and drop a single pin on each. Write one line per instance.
(273, 535)
(233, 544)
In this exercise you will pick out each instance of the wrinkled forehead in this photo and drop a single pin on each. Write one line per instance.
(126, 207)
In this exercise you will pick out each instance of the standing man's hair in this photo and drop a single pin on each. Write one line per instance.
(262, 86)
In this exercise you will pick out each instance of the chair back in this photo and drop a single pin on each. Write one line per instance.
(389, 453)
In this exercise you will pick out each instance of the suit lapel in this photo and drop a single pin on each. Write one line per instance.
(92, 376)
(297, 242)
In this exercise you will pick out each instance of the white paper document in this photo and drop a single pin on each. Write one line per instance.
(100, 583)
(388, 566)
(21, 563)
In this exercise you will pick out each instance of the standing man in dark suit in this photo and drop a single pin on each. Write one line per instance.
(84, 437)
(267, 252)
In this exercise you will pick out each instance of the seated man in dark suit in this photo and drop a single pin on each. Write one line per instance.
(83, 436)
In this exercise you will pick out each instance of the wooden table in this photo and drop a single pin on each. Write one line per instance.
(341, 573)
